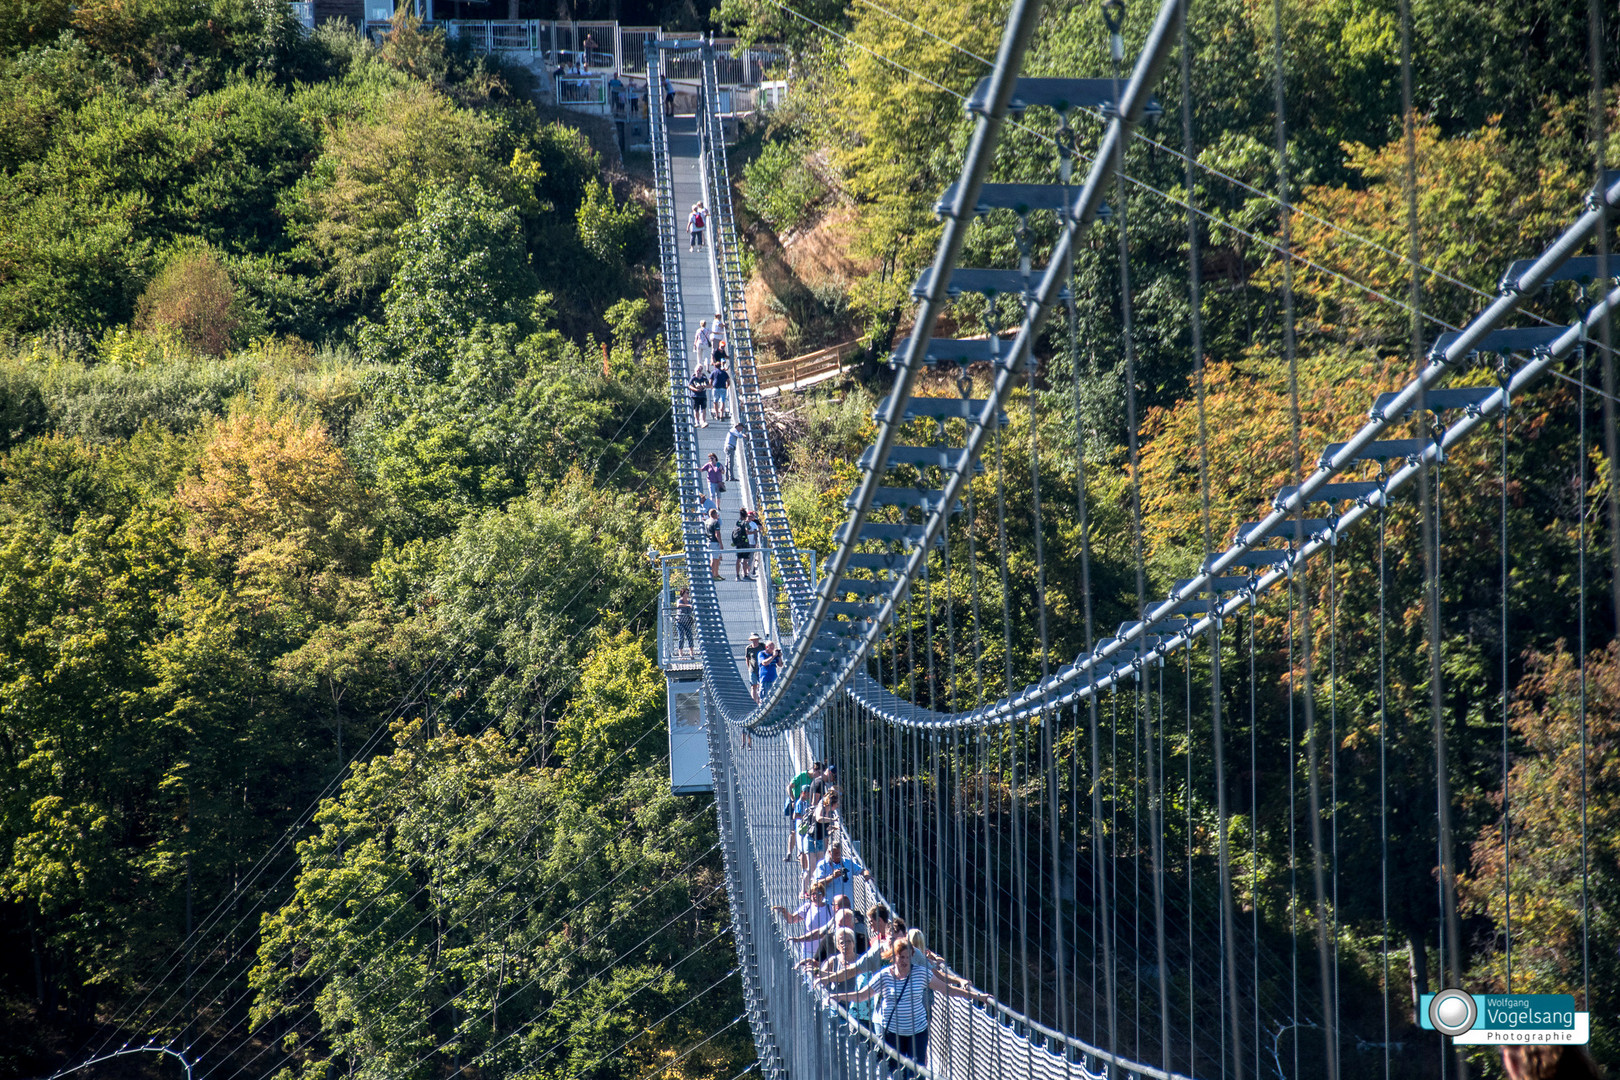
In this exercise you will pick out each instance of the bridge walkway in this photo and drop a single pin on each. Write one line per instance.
(744, 606)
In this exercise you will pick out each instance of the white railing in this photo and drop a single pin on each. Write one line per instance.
(304, 12)
(589, 48)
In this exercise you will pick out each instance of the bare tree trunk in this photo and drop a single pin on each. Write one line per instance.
(1418, 966)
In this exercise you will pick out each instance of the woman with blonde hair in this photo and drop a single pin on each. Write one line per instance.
(901, 991)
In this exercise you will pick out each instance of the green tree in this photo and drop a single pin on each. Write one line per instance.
(608, 230)
(374, 168)
(461, 261)
(501, 921)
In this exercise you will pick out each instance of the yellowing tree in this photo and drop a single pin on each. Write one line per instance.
(193, 297)
(366, 184)
(1481, 203)
(275, 502)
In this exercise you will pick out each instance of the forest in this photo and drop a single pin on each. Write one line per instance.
(335, 425)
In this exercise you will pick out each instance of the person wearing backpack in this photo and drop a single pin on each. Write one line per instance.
(739, 541)
(719, 380)
(694, 226)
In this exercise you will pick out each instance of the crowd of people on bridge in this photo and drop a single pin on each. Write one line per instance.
(711, 376)
(893, 972)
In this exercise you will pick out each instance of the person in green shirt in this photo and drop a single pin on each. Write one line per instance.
(805, 779)
(796, 789)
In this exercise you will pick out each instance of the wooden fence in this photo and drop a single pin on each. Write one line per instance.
(807, 369)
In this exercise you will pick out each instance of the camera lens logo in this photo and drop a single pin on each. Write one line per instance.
(1453, 1012)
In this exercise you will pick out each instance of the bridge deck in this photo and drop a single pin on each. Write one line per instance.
(742, 603)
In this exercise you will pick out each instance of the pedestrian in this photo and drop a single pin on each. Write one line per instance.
(768, 661)
(798, 788)
(756, 532)
(822, 939)
(719, 358)
(698, 384)
(717, 549)
(694, 227)
(901, 993)
(585, 50)
(715, 473)
(616, 92)
(871, 958)
(702, 344)
(815, 914)
(836, 873)
(844, 955)
(669, 96)
(739, 541)
(683, 622)
(827, 779)
(733, 438)
(719, 380)
(751, 657)
(823, 825)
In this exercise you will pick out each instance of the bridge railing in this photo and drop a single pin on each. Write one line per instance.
(727, 252)
(605, 47)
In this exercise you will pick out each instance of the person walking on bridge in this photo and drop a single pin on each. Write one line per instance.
(816, 914)
(694, 226)
(715, 474)
(836, 873)
(734, 438)
(871, 961)
(768, 661)
(702, 342)
(739, 541)
(717, 549)
(698, 384)
(901, 991)
(720, 380)
(751, 656)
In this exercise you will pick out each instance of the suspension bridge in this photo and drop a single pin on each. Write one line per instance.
(1081, 847)
(1028, 830)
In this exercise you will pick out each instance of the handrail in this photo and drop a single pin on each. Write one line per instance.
(1099, 671)
(1155, 53)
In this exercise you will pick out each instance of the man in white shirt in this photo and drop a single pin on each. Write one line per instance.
(816, 914)
(733, 437)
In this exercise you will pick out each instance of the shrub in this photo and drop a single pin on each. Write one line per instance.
(194, 298)
(606, 229)
(779, 186)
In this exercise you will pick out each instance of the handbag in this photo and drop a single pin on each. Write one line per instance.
(888, 1014)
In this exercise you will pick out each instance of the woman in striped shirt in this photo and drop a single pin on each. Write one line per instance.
(901, 990)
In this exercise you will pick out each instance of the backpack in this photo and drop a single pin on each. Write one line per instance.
(739, 536)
